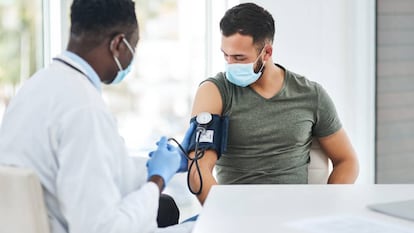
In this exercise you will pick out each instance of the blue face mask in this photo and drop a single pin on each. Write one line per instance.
(242, 74)
(122, 73)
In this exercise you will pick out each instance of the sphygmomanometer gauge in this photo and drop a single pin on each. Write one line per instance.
(204, 118)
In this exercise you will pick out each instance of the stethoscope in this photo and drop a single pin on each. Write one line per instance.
(70, 65)
(203, 120)
(76, 69)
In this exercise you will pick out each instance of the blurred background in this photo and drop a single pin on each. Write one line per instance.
(361, 51)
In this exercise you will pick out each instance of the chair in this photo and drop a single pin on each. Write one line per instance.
(22, 207)
(319, 166)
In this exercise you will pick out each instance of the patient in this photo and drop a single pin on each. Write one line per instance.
(273, 113)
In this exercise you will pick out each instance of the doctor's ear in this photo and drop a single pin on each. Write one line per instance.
(115, 44)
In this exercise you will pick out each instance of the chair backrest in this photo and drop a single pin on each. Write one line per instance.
(22, 207)
(319, 166)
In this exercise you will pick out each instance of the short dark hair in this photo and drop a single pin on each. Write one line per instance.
(103, 18)
(249, 19)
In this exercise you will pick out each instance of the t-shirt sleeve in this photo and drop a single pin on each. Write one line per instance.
(327, 119)
(225, 90)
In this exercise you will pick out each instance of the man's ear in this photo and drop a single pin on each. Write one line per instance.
(115, 43)
(268, 51)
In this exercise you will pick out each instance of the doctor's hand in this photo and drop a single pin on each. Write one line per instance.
(164, 162)
(185, 144)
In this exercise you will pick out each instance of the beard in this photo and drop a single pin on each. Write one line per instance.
(259, 66)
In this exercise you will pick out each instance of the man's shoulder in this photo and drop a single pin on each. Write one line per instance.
(219, 80)
(219, 77)
(300, 81)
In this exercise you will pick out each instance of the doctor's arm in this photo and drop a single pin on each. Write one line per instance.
(95, 183)
(344, 159)
(164, 162)
(207, 99)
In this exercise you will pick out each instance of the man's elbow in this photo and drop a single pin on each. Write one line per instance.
(345, 172)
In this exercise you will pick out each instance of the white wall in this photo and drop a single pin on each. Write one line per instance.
(333, 42)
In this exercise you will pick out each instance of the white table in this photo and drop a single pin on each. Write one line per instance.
(272, 208)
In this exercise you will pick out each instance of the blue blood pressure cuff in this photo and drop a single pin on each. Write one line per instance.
(210, 133)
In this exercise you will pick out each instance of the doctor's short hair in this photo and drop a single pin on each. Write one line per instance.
(251, 20)
(99, 19)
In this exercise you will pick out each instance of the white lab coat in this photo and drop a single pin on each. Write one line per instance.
(59, 126)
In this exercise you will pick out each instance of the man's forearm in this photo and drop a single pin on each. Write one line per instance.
(344, 173)
(206, 165)
(207, 182)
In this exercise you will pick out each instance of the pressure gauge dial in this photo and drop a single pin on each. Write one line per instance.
(204, 118)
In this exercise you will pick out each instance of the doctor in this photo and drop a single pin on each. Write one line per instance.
(59, 126)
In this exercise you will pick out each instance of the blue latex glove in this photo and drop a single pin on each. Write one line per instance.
(185, 144)
(192, 219)
(165, 161)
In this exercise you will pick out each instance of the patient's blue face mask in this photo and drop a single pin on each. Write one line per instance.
(241, 74)
(123, 73)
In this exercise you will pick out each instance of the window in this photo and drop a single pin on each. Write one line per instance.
(156, 98)
(20, 45)
(179, 47)
(179, 38)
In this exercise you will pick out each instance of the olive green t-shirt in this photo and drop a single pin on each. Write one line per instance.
(269, 139)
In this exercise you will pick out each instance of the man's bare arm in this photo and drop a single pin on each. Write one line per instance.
(207, 99)
(344, 159)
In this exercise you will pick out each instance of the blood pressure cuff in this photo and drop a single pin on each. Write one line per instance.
(213, 137)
